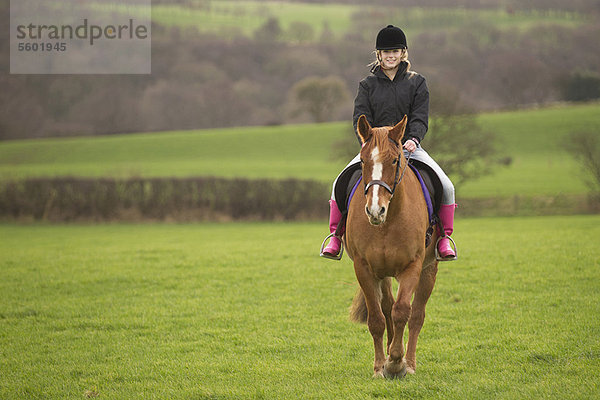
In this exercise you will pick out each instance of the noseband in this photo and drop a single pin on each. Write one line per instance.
(396, 180)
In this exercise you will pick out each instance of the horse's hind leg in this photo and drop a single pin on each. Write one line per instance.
(371, 288)
(417, 317)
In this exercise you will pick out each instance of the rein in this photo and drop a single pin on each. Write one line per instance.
(396, 180)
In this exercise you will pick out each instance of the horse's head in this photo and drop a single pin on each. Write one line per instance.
(382, 159)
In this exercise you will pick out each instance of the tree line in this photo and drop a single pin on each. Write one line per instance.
(202, 80)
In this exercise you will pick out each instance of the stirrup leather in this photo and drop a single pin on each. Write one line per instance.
(437, 254)
(325, 255)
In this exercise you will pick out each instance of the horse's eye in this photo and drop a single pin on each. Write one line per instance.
(395, 161)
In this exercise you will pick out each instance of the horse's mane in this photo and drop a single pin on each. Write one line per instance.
(380, 139)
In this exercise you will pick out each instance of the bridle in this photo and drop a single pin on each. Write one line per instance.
(396, 180)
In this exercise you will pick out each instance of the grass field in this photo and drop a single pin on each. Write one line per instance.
(277, 152)
(530, 137)
(247, 16)
(223, 311)
(534, 140)
(233, 17)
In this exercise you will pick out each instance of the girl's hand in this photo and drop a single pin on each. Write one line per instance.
(410, 146)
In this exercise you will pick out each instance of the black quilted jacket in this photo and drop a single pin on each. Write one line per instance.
(385, 102)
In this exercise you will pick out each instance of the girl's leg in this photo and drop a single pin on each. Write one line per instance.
(446, 214)
(332, 249)
(448, 188)
(354, 161)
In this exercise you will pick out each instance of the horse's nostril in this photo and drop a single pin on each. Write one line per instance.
(382, 211)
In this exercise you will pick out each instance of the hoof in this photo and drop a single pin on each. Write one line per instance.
(378, 374)
(395, 369)
(411, 366)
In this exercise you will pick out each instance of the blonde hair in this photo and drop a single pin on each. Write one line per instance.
(377, 62)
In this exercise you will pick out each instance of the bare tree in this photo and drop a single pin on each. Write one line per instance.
(456, 139)
(585, 147)
(270, 31)
(319, 97)
(461, 147)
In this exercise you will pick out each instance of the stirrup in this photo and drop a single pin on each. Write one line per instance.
(325, 255)
(437, 253)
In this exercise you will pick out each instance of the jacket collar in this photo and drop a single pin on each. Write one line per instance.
(378, 72)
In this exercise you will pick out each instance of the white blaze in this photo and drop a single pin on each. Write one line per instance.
(377, 175)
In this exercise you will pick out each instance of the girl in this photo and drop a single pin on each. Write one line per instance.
(384, 97)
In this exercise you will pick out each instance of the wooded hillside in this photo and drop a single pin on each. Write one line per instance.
(491, 55)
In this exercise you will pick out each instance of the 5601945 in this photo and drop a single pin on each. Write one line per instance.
(43, 46)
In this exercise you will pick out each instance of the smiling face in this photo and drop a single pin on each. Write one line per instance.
(390, 59)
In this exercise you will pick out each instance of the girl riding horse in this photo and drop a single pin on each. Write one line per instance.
(385, 97)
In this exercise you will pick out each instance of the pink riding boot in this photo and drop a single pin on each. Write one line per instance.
(334, 249)
(446, 249)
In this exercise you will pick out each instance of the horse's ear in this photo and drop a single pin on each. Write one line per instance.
(397, 132)
(363, 129)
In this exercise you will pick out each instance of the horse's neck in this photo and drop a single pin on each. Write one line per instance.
(401, 194)
(400, 197)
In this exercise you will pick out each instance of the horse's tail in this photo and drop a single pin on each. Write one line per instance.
(358, 309)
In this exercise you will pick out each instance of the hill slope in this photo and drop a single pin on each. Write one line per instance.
(531, 138)
(234, 16)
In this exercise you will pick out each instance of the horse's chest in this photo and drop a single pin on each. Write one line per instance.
(386, 258)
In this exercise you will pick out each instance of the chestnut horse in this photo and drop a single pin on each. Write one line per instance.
(385, 237)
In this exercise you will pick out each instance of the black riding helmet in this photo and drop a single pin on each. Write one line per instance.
(391, 38)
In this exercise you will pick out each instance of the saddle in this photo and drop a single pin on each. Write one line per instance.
(350, 179)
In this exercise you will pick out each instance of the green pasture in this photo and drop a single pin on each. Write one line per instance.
(272, 152)
(232, 17)
(531, 138)
(535, 141)
(246, 16)
(249, 311)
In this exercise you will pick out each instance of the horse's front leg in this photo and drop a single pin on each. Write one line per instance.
(371, 288)
(417, 317)
(395, 366)
(387, 302)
